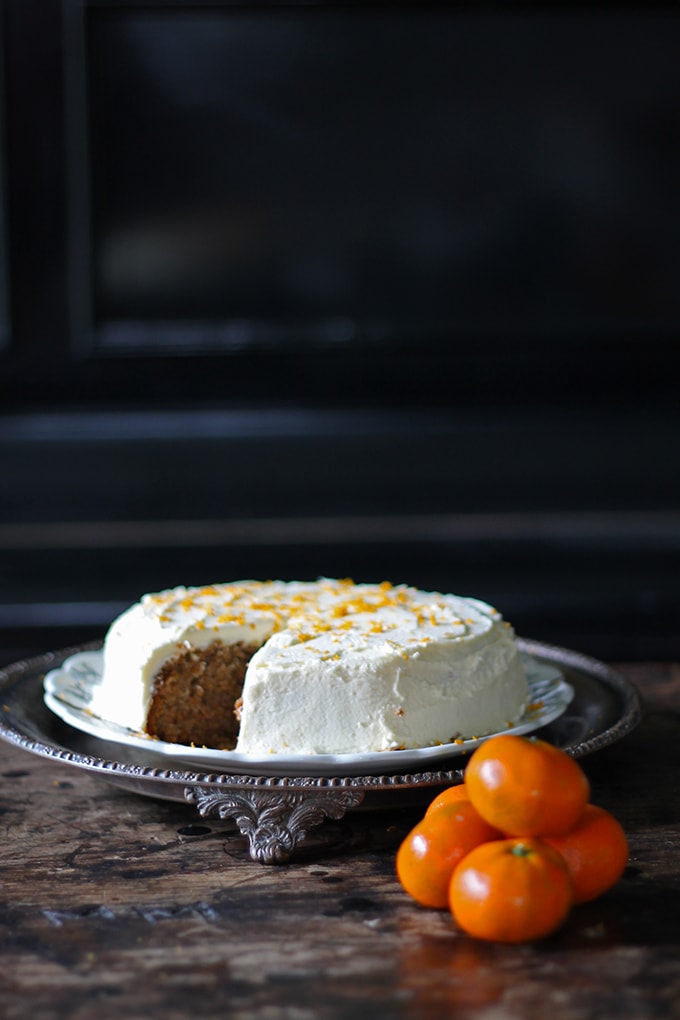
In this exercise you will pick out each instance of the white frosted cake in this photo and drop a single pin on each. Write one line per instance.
(310, 668)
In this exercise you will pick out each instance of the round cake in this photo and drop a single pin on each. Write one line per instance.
(321, 667)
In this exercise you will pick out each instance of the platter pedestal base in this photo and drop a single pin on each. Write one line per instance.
(275, 822)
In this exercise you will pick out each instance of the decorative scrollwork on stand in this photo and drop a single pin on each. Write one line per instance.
(275, 820)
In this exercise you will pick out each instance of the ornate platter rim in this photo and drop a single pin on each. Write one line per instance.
(23, 724)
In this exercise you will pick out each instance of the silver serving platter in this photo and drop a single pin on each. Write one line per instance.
(70, 690)
(277, 812)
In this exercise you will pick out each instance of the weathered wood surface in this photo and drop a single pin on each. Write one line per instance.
(117, 905)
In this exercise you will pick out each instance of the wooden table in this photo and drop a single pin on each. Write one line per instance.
(117, 905)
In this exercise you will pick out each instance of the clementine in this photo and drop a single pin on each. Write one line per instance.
(526, 786)
(511, 890)
(448, 796)
(596, 852)
(428, 855)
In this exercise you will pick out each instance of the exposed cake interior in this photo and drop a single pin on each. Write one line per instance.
(194, 695)
(310, 667)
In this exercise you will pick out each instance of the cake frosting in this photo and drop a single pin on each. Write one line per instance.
(325, 667)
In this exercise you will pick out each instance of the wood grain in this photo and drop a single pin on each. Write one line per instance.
(118, 905)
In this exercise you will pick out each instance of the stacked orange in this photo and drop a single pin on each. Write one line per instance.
(516, 845)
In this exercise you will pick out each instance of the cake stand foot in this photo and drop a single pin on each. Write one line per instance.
(274, 821)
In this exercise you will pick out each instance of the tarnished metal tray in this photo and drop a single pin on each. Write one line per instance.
(277, 812)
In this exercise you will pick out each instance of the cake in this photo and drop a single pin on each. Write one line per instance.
(322, 667)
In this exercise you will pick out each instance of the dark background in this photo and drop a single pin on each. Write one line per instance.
(369, 290)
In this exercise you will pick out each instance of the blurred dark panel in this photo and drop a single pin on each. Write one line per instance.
(569, 522)
(4, 267)
(383, 290)
(369, 177)
(442, 203)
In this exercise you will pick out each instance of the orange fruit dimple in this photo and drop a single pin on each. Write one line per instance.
(428, 855)
(512, 890)
(525, 786)
(596, 852)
